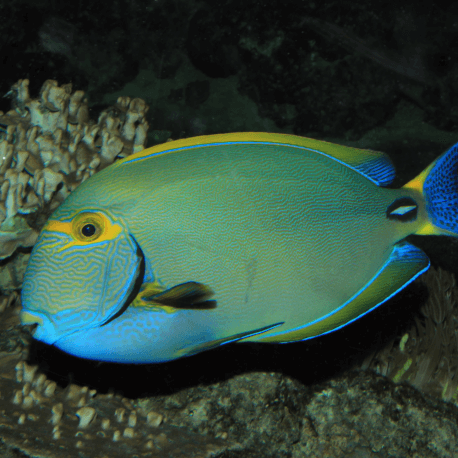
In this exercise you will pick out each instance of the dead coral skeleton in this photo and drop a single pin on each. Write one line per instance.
(426, 356)
(48, 146)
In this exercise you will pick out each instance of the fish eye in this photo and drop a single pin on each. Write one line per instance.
(87, 227)
(88, 230)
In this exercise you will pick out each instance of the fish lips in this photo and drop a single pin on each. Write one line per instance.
(45, 330)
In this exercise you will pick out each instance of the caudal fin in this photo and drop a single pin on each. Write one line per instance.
(439, 185)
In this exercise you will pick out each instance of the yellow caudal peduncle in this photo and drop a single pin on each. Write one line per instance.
(418, 182)
(417, 185)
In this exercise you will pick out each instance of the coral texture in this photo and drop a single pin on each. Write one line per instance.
(48, 146)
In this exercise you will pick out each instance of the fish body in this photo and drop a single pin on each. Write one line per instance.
(236, 237)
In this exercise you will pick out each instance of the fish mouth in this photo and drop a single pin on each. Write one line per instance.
(44, 330)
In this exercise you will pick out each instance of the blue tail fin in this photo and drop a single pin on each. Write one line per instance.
(439, 186)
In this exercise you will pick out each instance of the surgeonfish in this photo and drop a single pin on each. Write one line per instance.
(255, 237)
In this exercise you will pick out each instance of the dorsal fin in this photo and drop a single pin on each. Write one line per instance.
(374, 165)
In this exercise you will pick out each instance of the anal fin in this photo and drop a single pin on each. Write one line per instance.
(404, 265)
(187, 351)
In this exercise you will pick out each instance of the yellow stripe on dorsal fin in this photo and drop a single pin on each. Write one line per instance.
(374, 165)
(406, 263)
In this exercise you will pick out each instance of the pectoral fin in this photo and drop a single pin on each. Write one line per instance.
(190, 296)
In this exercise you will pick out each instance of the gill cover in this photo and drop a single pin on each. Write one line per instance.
(95, 262)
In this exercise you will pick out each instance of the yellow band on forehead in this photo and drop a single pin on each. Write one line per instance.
(58, 226)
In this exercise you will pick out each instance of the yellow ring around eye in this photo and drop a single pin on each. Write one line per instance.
(87, 227)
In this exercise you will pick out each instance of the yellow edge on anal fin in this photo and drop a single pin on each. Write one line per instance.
(406, 263)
